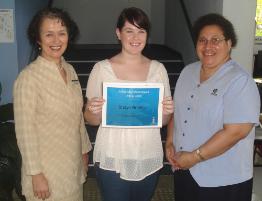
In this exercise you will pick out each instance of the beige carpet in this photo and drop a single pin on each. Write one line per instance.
(164, 190)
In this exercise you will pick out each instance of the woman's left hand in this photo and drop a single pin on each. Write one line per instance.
(186, 160)
(168, 105)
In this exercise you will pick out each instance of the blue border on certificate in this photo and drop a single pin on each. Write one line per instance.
(132, 105)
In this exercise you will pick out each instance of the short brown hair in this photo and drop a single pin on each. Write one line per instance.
(134, 16)
(33, 31)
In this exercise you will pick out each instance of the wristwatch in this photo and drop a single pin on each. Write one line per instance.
(198, 153)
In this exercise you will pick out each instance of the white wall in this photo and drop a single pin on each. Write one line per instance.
(242, 15)
(240, 12)
(177, 33)
(97, 18)
(24, 14)
(202, 7)
(158, 21)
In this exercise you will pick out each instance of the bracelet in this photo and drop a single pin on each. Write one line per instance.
(198, 153)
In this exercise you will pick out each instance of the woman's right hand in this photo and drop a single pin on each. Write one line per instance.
(170, 155)
(93, 111)
(40, 186)
(94, 105)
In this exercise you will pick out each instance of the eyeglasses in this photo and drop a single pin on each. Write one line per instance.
(213, 41)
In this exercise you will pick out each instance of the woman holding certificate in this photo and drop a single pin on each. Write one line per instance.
(127, 160)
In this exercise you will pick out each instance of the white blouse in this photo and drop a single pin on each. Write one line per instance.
(134, 153)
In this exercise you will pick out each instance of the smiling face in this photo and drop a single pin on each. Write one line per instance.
(133, 39)
(53, 39)
(212, 48)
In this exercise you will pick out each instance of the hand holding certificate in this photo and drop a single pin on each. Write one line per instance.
(132, 105)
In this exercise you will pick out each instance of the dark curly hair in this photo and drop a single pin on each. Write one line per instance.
(134, 16)
(33, 31)
(218, 20)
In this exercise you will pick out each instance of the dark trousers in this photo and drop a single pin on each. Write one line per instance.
(186, 189)
(113, 188)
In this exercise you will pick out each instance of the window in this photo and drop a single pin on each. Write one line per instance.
(259, 21)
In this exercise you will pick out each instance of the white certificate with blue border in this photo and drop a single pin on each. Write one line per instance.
(132, 105)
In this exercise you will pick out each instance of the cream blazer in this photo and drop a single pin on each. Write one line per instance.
(50, 128)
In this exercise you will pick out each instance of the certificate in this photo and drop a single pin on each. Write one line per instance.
(132, 105)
